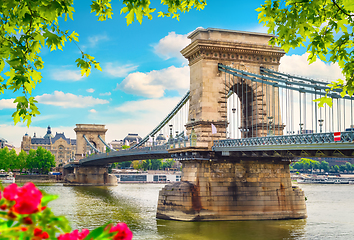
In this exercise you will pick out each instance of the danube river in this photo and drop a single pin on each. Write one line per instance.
(330, 214)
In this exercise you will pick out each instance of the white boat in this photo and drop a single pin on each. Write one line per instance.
(7, 177)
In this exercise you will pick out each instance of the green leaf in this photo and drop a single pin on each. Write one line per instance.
(96, 232)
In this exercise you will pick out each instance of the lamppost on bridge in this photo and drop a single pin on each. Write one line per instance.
(270, 118)
(320, 122)
(171, 136)
(234, 111)
(301, 124)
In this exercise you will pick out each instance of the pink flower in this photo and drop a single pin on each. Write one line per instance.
(74, 235)
(11, 192)
(28, 200)
(124, 232)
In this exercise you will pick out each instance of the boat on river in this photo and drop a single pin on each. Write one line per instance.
(325, 181)
(7, 177)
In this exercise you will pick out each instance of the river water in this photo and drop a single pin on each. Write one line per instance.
(330, 214)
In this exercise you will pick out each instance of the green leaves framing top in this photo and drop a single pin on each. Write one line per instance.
(28, 25)
(327, 27)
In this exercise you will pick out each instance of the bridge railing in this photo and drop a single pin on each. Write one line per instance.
(311, 138)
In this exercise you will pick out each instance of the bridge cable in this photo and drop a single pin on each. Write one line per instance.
(106, 143)
(164, 121)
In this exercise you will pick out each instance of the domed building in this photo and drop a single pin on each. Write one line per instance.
(131, 139)
(61, 147)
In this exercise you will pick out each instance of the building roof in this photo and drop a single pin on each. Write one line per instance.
(160, 137)
(49, 133)
(131, 137)
(49, 139)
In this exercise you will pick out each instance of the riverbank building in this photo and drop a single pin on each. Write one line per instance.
(61, 147)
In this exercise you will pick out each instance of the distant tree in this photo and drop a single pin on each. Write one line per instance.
(21, 160)
(11, 159)
(146, 164)
(137, 164)
(168, 163)
(125, 147)
(298, 165)
(45, 160)
(124, 164)
(324, 166)
(156, 164)
(4, 163)
(336, 168)
(348, 166)
(31, 162)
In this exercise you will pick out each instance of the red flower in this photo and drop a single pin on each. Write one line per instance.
(11, 192)
(74, 235)
(29, 198)
(27, 220)
(124, 232)
(39, 233)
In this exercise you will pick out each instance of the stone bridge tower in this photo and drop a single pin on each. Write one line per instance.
(230, 187)
(91, 132)
(208, 87)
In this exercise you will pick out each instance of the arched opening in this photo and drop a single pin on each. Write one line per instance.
(252, 109)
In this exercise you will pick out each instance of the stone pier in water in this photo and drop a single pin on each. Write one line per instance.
(230, 188)
(233, 190)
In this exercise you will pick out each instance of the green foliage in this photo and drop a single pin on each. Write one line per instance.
(44, 160)
(27, 26)
(4, 158)
(125, 147)
(326, 26)
(168, 163)
(21, 160)
(306, 164)
(40, 159)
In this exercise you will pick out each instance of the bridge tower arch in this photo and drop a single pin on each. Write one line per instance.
(209, 87)
(91, 132)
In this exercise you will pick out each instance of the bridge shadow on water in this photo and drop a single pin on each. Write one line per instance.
(236, 230)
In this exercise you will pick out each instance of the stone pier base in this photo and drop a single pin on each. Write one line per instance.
(233, 190)
(90, 175)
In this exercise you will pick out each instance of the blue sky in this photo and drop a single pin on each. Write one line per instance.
(143, 76)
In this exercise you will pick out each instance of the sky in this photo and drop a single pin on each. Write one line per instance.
(144, 75)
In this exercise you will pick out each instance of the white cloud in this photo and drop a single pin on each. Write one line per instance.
(259, 29)
(140, 117)
(149, 105)
(171, 45)
(92, 111)
(105, 94)
(69, 100)
(296, 64)
(118, 70)
(66, 75)
(7, 103)
(90, 90)
(93, 40)
(153, 84)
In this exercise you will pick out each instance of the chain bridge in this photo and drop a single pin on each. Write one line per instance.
(235, 131)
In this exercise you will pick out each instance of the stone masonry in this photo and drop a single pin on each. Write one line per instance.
(234, 190)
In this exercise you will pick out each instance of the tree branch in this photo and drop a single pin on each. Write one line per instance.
(349, 15)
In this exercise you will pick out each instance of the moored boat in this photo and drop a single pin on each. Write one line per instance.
(7, 177)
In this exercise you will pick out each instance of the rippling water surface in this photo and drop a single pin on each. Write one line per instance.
(330, 214)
